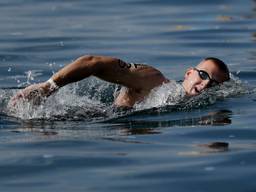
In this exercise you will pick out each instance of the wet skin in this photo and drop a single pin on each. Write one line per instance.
(194, 84)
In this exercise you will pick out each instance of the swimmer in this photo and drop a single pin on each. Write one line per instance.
(138, 79)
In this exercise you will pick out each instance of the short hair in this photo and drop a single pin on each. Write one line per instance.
(221, 66)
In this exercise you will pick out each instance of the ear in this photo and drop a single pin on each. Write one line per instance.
(188, 72)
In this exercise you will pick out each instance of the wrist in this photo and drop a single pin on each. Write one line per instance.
(51, 86)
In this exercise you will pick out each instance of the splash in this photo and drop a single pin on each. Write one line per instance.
(72, 102)
(168, 94)
(171, 96)
(233, 87)
(91, 100)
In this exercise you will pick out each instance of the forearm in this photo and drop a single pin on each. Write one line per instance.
(81, 68)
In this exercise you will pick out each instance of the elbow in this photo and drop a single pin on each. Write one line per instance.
(89, 62)
(88, 59)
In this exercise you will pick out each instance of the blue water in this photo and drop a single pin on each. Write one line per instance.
(87, 148)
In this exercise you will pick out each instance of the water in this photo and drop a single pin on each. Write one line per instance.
(76, 142)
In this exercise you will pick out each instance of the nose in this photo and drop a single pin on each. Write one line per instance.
(203, 84)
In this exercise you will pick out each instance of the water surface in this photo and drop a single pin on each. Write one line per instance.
(154, 148)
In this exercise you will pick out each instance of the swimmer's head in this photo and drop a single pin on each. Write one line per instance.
(210, 72)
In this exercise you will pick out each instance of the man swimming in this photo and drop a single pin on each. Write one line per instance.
(138, 79)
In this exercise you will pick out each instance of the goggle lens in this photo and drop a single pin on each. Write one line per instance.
(205, 76)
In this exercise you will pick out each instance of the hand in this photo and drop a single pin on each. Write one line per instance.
(34, 93)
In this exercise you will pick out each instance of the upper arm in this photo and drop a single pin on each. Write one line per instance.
(132, 76)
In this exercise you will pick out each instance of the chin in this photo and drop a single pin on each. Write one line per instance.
(192, 94)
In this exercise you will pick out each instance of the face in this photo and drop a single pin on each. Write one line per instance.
(196, 80)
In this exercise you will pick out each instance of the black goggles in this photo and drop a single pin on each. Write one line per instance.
(205, 76)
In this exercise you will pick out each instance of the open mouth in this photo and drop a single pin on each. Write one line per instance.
(196, 90)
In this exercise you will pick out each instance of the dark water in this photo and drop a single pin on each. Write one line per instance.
(156, 149)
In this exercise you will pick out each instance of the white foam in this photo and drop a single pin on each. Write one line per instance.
(167, 94)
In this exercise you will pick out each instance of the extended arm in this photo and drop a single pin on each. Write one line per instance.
(138, 77)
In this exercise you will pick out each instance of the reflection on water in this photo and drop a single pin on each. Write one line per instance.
(222, 117)
(121, 126)
(207, 149)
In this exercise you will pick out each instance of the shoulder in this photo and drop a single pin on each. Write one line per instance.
(146, 70)
(149, 76)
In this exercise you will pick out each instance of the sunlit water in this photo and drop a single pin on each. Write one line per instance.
(77, 141)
